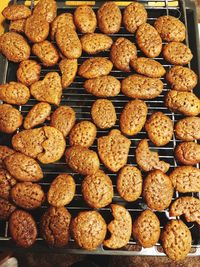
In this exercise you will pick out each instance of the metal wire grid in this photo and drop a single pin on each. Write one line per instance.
(76, 97)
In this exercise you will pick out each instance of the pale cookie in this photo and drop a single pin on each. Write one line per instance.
(6, 183)
(188, 153)
(64, 20)
(85, 19)
(17, 25)
(28, 72)
(47, 9)
(188, 129)
(16, 12)
(68, 68)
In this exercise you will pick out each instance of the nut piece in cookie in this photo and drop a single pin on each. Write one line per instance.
(5, 151)
(62, 190)
(22, 228)
(120, 228)
(15, 12)
(17, 25)
(6, 183)
(68, 68)
(129, 183)
(113, 150)
(6, 209)
(146, 229)
(85, 19)
(157, 190)
(122, 52)
(188, 153)
(55, 226)
(97, 190)
(64, 20)
(149, 160)
(46, 9)
(133, 117)
(188, 129)
(28, 72)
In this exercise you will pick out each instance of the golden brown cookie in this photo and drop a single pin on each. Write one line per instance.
(97, 190)
(157, 190)
(64, 20)
(6, 209)
(62, 190)
(122, 52)
(5, 151)
(55, 226)
(82, 160)
(15, 12)
(188, 129)
(120, 228)
(47, 9)
(129, 183)
(17, 25)
(88, 229)
(139, 86)
(85, 19)
(133, 117)
(68, 68)
(28, 72)
(6, 183)
(113, 150)
(188, 153)
(146, 229)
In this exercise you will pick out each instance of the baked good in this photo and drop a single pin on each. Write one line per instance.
(105, 86)
(159, 128)
(88, 229)
(186, 103)
(176, 240)
(55, 225)
(129, 183)
(149, 40)
(95, 67)
(97, 190)
(134, 15)
(148, 67)
(10, 118)
(139, 86)
(5, 151)
(113, 150)
(63, 119)
(14, 47)
(46, 9)
(85, 19)
(49, 89)
(188, 129)
(17, 25)
(64, 20)
(46, 52)
(28, 72)
(109, 18)
(170, 29)
(6, 209)
(122, 52)
(27, 195)
(188, 153)
(157, 190)
(133, 117)
(177, 53)
(6, 183)
(15, 12)
(103, 113)
(23, 228)
(120, 228)
(62, 190)
(68, 68)
(146, 229)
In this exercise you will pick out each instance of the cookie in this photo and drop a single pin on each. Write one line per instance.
(49, 89)
(113, 150)
(82, 160)
(63, 119)
(188, 129)
(159, 128)
(6, 183)
(170, 29)
(157, 190)
(176, 240)
(14, 47)
(37, 115)
(146, 229)
(95, 67)
(64, 20)
(120, 228)
(149, 40)
(85, 19)
(27, 195)
(55, 225)
(17, 25)
(122, 52)
(148, 67)
(94, 43)
(6, 209)
(188, 153)
(88, 229)
(133, 117)
(186, 103)
(105, 86)
(22, 228)
(148, 160)
(5, 151)
(103, 113)
(181, 78)
(10, 119)
(68, 68)
(46, 52)
(46, 9)
(62, 190)
(16, 12)
(129, 183)
(139, 86)
(36, 28)
(97, 190)
(28, 72)
(177, 53)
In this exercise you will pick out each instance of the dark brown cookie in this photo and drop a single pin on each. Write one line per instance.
(47, 9)
(6, 209)
(64, 20)
(85, 19)
(68, 68)
(17, 25)
(15, 12)
(6, 183)
(188, 153)
(188, 129)
(28, 72)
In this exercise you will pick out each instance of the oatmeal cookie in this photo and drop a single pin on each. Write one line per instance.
(17, 25)
(7, 181)
(68, 68)
(64, 20)
(188, 153)
(16, 12)
(85, 19)
(188, 129)
(6, 209)
(28, 72)
(46, 9)
(5, 151)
